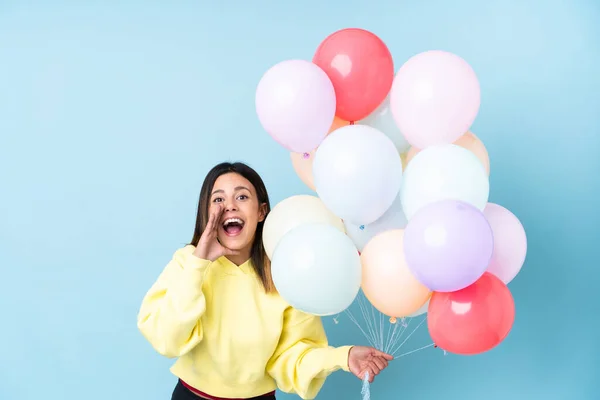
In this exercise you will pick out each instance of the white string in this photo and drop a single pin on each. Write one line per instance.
(366, 388)
(373, 326)
(414, 351)
(408, 337)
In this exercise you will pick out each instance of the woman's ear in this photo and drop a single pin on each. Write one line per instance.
(262, 212)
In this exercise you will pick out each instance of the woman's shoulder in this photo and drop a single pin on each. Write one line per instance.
(184, 254)
(184, 250)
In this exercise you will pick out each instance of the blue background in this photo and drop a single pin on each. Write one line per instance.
(112, 112)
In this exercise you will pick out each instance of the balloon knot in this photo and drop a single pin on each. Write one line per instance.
(306, 155)
(351, 122)
(362, 227)
(393, 320)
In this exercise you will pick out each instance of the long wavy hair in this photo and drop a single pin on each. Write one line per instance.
(258, 256)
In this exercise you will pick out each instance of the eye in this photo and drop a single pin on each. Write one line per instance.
(217, 199)
(242, 197)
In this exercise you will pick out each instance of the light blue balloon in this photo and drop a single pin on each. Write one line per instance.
(444, 172)
(316, 269)
(357, 173)
(393, 218)
(383, 120)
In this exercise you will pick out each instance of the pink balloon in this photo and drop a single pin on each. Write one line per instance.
(435, 98)
(295, 103)
(510, 242)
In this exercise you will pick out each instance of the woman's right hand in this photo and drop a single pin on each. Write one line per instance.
(208, 247)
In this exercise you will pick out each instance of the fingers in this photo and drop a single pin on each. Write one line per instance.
(380, 362)
(213, 219)
(211, 222)
(372, 369)
(386, 356)
(369, 371)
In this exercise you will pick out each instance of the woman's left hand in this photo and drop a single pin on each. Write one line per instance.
(363, 359)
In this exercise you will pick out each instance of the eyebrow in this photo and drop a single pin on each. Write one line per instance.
(236, 189)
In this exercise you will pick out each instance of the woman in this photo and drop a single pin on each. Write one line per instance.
(215, 307)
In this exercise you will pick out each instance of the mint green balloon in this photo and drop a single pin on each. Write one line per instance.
(316, 269)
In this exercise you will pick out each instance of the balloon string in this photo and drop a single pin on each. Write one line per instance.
(397, 333)
(367, 336)
(373, 326)
(368, 314)
(414, 351)
(366, 389)
(408, 337)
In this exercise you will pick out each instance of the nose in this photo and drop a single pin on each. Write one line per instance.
(230, 205)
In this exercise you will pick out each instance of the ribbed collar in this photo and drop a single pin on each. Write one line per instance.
(231, 269)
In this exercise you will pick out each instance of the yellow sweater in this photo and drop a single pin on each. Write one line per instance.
(232, 340)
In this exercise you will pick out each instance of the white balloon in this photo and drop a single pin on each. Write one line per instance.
(393, 218)
(292, 212)
(357, 173)
(444, 172)
(383, 120)
(316, 269)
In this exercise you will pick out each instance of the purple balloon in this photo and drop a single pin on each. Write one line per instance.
(448, 245)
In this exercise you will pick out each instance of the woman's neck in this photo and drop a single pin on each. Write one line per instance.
(239, 259)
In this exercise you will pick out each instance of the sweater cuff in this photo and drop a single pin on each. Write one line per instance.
(339, 357)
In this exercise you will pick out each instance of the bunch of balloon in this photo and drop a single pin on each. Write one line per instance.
(399, 177)
(457, 244)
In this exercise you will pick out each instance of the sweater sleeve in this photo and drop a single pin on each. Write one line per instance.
(169, 317)
(303, 360)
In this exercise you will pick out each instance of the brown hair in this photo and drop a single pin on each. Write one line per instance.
(260, 261)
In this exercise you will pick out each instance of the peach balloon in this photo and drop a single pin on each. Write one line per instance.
(386, 280)
(337, 123)
(404, 158)
(468, 141)
(302, 162)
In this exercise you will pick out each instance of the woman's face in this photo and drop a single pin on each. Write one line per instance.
(240, 212)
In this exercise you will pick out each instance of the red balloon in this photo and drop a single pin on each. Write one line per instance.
(474, 319)
(361, 69)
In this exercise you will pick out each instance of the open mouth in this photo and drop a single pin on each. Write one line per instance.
(233, 226)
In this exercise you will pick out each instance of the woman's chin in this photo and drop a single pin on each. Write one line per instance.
(237, 243)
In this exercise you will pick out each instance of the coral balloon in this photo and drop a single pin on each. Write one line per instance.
(386, 279)
(302, 162)
(361, 69)
(468, 141)
(293, 212)
(510, 242)
(435, 98)
(472, 320)
(295, 103)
